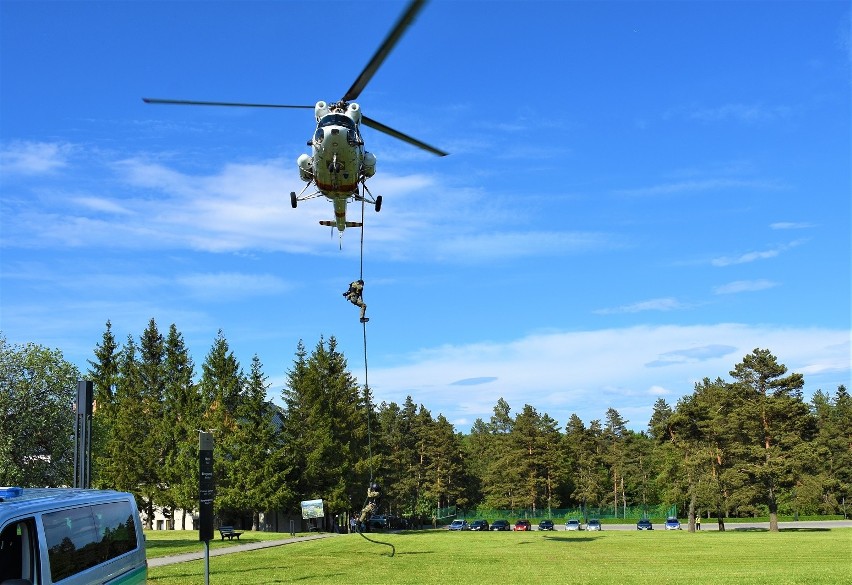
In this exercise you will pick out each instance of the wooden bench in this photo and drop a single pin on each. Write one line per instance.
(229, 532)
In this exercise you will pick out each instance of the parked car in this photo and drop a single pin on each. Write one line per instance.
(644, 524)
(480, 525)
(500, 525)
(545, 525)
(523, 525)
(377, 522)
(672, 523)
(458, 525)
(593, 524)
(572, 524)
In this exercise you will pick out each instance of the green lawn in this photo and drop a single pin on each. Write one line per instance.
(621, 557)
(160, 543)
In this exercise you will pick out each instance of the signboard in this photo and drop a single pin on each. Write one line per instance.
(206, 488)
(312, 509)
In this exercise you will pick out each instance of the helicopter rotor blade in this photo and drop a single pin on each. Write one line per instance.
(397, 134)
(384, 50)
(229, 104)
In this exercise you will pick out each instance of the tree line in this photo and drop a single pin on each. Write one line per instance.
(748, 446)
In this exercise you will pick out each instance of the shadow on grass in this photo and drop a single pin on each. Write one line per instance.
(572, 538)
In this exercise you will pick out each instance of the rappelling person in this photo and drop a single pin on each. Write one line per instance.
(353, 295)
(371, 506)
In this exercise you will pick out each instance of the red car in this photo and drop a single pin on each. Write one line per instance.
(523, 525)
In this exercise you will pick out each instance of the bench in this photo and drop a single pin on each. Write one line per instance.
(229, 532)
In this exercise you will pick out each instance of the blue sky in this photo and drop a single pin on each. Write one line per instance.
(638, 193)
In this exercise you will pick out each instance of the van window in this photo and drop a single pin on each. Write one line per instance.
(18, 552)
(81, 538)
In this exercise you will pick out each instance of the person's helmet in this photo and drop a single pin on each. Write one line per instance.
(360, 281)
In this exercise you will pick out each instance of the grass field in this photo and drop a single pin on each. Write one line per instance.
(621, 557)
(160, 543)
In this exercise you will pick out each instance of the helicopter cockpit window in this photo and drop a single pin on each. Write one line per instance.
(353, 139)
(337, 120)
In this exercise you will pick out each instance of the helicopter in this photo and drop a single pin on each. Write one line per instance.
(339, 166)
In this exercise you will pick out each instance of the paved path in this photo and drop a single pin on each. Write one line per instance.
(713, 524)
(215, 552)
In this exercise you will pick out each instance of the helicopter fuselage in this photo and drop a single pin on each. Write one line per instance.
(339, 162)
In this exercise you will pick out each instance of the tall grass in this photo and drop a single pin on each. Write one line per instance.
(622, 557)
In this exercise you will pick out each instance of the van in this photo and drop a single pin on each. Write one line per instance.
(70, 536)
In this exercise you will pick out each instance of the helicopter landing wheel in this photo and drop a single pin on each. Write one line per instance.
(378, 203)
(293, 200)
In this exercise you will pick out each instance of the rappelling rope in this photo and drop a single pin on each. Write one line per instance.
(362, 238)
(367, 395)
(366, 382)
(393, 548)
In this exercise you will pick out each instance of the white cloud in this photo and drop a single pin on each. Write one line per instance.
(101, 204)
(658, 391)
(149, 205)
(33, 158)
(753, 256)
(586, 372)
(790, 225)
(661, 304)
(739, 286)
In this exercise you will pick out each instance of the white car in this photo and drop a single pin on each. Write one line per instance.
(572, 525)
(459, 525)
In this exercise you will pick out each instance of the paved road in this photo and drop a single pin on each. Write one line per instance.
(215, 552)
(714, 525)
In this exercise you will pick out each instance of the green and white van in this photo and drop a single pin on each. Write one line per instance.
(70, 536)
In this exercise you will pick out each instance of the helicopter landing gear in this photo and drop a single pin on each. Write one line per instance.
(293, 199)
(378, 203)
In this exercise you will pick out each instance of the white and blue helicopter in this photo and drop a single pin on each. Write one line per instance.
(339, 166)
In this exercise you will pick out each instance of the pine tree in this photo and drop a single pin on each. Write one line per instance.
(104, 374)
(295, 423)
(259, 472)
(394, 456)
(182, 415)
(502, 479)
(221, 391)
(326, 422)
(124, 461)
(525, 440)
(413, 476)
(613, 437)
(551, 462)
(152, 379)
(446, 479)
(774, 425)
(826, 488)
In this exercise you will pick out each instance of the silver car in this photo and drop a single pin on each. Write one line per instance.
(594, 524)
(572, 524)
